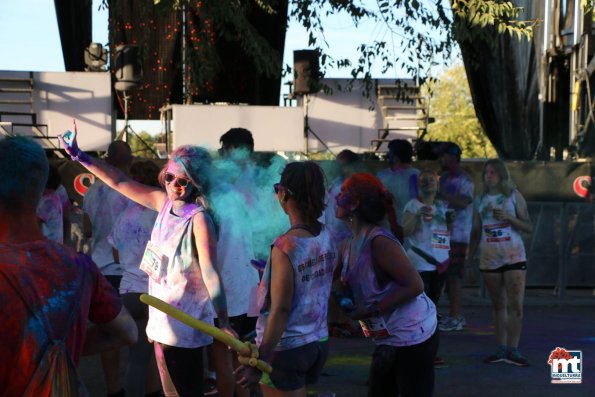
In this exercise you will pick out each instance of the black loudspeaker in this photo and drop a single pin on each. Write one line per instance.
(306, 73)
(127, 68)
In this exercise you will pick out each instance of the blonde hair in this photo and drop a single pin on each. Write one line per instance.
(196, 162)
(506, 185)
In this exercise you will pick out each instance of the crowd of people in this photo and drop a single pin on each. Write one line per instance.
(375, 251)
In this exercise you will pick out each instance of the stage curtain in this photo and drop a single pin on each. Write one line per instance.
(74, 25)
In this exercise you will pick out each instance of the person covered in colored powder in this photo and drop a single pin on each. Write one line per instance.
(50, 210)
(387, 292)
(180, 260)
(400, 178)
(500, 216)
(233, 200)
(456, 188)
(48, 292)
(348, 162)
(102, 205)
(129, 237)
(426, 225)
(292, 332)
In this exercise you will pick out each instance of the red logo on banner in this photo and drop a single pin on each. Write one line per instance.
(581, 185)
(82, 182)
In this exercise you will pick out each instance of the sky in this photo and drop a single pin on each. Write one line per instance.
(22, 47)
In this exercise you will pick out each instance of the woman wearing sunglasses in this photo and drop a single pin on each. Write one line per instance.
(292, 328)
(388, 293)
(179, 259)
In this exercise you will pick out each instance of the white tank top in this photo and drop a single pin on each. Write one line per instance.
(182, 286)
(500, 243)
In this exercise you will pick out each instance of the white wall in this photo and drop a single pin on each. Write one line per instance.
(273, 128)
(59, 97)
(345, 120)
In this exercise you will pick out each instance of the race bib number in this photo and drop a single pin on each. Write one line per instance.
(440, 239)
(497, 233)
(154, 262)
(374, 327)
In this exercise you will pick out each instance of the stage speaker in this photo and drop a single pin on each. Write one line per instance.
(128, 71)
(306, 73)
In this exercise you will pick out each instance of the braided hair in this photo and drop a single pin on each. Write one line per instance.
(305, 181)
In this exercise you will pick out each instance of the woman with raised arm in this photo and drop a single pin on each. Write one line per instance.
(292, 330)
(179, 259)
(500, 215)
(387, 292)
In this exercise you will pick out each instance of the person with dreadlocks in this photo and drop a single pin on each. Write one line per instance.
(179, 259)
(387, 292)
(292, 328)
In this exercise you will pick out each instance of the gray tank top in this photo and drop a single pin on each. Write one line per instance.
(182, 286)
(410, 323)
(313, 261)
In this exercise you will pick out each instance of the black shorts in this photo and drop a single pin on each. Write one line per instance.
(243, 325)
(295, 368)
(505, 268)
(457, 253)
(115, 282)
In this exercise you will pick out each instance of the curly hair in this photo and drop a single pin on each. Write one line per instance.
(305, 181)
(196, 163)
(375, 202)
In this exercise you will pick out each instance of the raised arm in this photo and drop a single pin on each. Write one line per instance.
(145, 195)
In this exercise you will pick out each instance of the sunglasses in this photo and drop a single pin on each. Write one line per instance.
(278, 186)
(169, 178)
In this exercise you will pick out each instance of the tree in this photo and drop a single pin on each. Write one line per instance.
(420, 33)
(452, 107)
(145, 147)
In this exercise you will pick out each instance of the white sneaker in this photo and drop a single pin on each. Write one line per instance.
(452, 324)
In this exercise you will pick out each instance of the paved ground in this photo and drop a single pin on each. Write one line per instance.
(549, 322)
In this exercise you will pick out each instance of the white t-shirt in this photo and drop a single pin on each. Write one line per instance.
(49, 212)
(235, 249)
(460, 185)
(103, 205)
(63, 194)
(402, 183)
(431, 237)
(130, 234)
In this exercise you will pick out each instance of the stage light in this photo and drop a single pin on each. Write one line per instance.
(127, 67)
(95, 58)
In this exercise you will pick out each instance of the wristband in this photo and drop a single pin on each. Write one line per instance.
(81, 157)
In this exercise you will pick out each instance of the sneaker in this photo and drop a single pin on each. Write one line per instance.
(495, 358)
(516, 358)
(210, 387)
(452, 324)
